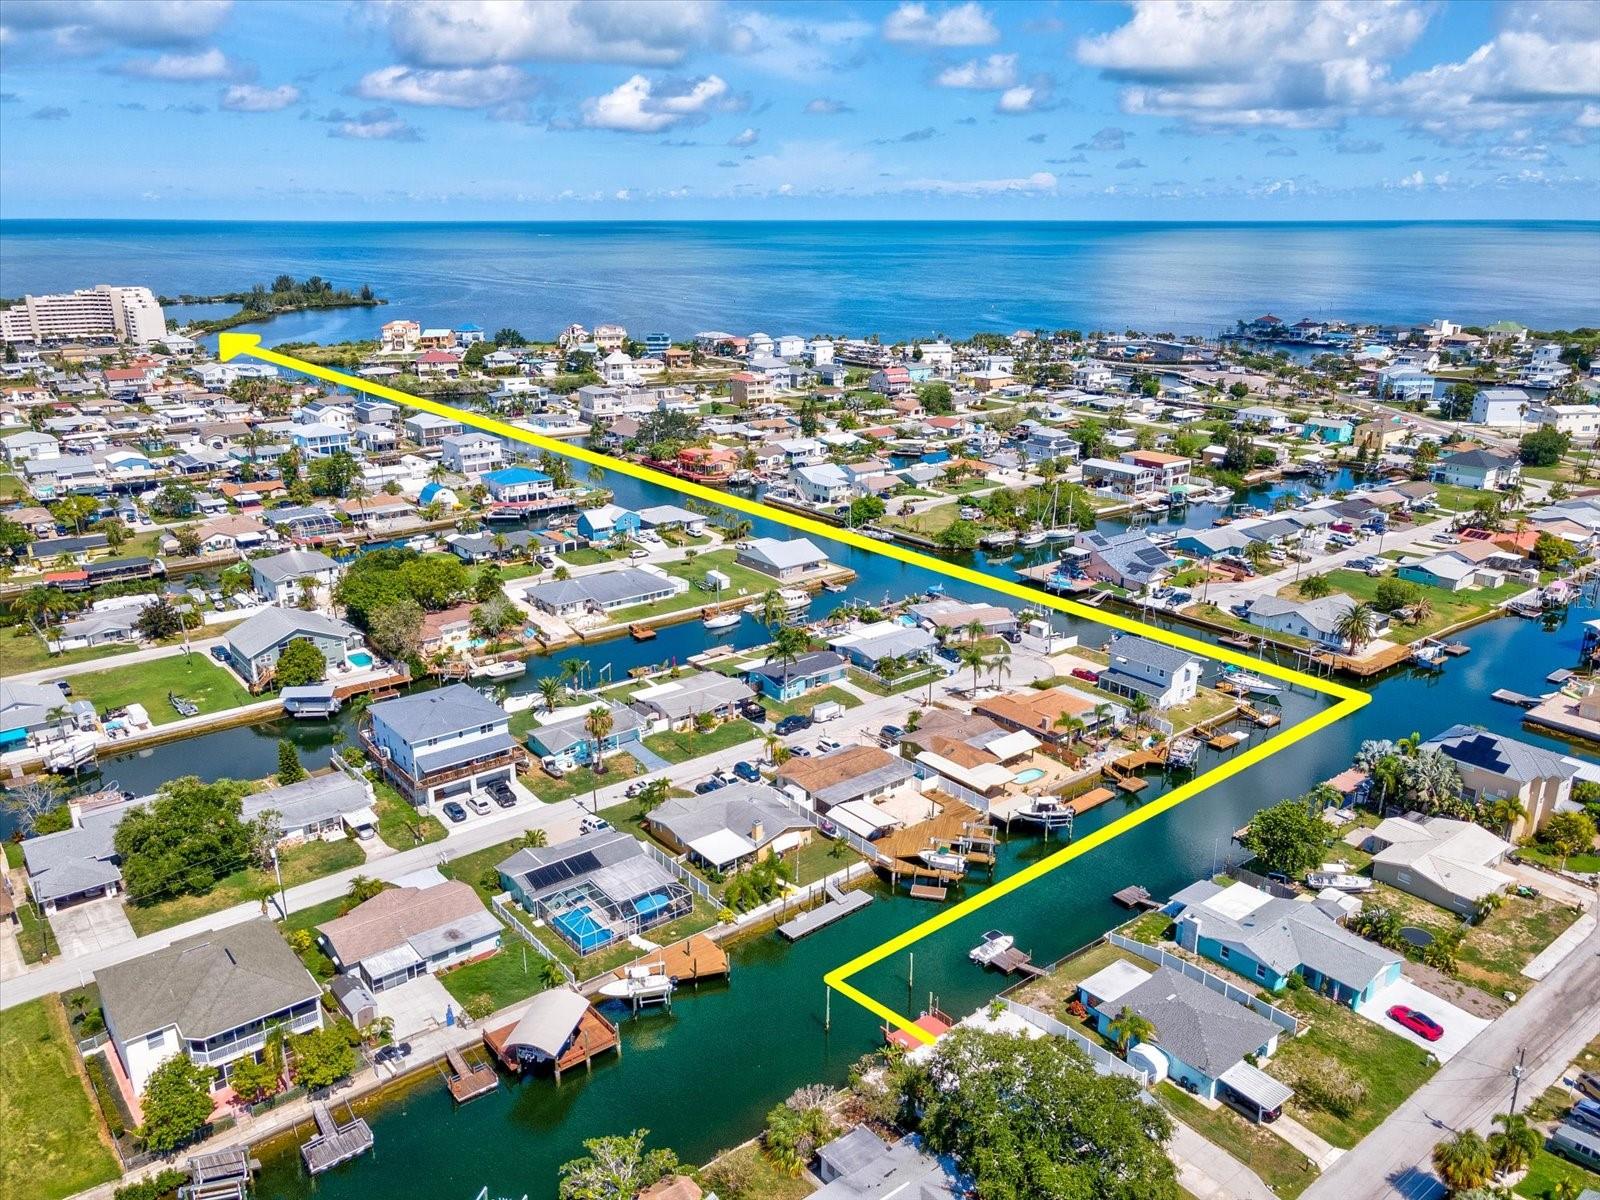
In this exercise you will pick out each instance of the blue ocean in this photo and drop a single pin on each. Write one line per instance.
(897, 279)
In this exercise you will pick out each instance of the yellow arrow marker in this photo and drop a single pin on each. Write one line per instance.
(231, 345)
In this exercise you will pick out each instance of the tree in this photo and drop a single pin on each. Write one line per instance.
(187, 538)
(1258, 554)
(493, 617)
(322, 1057)
(865, 509)
(798, 1127)
(30, 801)
(1431, 781)
(1130, 1027)
(176, 1102)
(300, 664)
(1463, 1161)
(1391, 595)
(116, 533)
(1355, 626)
(1314, 587)
(289, 767)
(788, 644)
(395, 629)
(549, 689)
(254, 1080)
(937, 398)
(184, 840)
(158, 621)
(1030, 1120)
(1456, 403)
(616, 1168)
(653, 794)
(1550, 551)
(960, 534)
(1543, 447)
(1287, 837)
(1514, 1142)
(598, 724)
(1569, 833)
(1504, 812)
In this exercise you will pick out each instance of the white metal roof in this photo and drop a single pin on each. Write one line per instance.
(721, 847)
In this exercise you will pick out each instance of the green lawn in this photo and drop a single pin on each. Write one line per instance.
(1547, 1170)
(1587, 863)
(192, 676)
(52, 1145)
(744, 583)
(35, 938)
(474, 868)
(1449, 608)
(399, 824)
(1281, 1167)
(804, 704)
(745, 1173)
(1495, 950)
(490, 984)
(299, 864)
(580, 783)
(678, 745)
(909, 682)
(21, 651)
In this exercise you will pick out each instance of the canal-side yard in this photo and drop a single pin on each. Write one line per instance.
(52, 1142)
(1445, 609)
(193, 677)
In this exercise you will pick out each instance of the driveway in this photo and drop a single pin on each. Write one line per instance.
(94, 925)
(415, 1007)
(1460, 1026)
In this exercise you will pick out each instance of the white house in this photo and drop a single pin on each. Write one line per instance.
(278, 578)
(1501, 408)
(472, 454)
(1138, 666)
(444, 744)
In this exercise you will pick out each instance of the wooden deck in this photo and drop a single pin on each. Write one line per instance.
(689, 961)
(837, 906)
(1015, 962)
(1093, 798)
(1135, 896)
(902, 846)
(334, 1143)
(222, 1175)
(933, 1021)
(469, 1080)
(593, 1037)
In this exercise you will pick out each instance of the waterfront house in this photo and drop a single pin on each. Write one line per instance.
(675, 703)
(472, 453)
(730, 827)
(511, 485)
(1045, 712)
(954, 616)
(671, 516)
(608, 521)
(784, 681)
(441, 745)
(1171, 470)
(604, 591)
(428, 429)
(404, 932)
(1046, 442)
(447, 631)
(1492, 766)
(707, 464)
(1501, 407)
(823, 484)
(254, 645)
(595, 889)
(849, 773)
(325, 807)
(1330, 431)
(1208, 1042)
(481, 547)
(783, 559)
(1123, 478)
(882, 641)
(565, 739)
(97, 629)
(214, 997)
(1314, 620)
(1167, 676)
(375, 438)
(236, 532)
(1127, 560)
(1443, 861)
(1267, 939)
(1482, 469)
(1450, 572)
(319, 439)
(283, 578)
(859, 1166)
(31, 708)
(77, 864)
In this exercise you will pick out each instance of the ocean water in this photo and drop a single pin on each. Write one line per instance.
(897, 279)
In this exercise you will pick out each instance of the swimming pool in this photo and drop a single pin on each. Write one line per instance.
(651, 903)
(359, 658)
(1029, 776)
(581, 929)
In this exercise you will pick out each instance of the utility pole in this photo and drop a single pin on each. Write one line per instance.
(1516, 1075)
(283, 900)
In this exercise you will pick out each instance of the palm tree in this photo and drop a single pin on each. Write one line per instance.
(550, 689)
(787, 645)
(1139, 706)
(1514, 1143)
(1505, 812)
(599, 724)
(777, 752)
(1257, 554)
(772, 609)
(1071, 724)
(1130, 1027)
(534, 839)
(1566, 1188)
(1355, 626)
(1463, 1162)
(1419, 610)
(975, 630)
(571, 671)
(972, 655)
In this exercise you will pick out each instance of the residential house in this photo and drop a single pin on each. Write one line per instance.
(707, 464)
(20, 447)
(399, 337)
(326, 807)
(77, 864)
(1482, 469)
(254, 645)
(1273, 420)
(215, 996)
(823, 484)
(1443, 861)
(1172, 470)
(515, 485)
(447, 631)
(1330, 431)
(859, 1166)
(954, 616)
(1450, 572)
(1580, 422)
(883, 641)
(604, 591)
(472, 454)
(784, 681)
(1501, 407)
(675, 703)
(849, 774)
(1165, 675)
(236, 533)
(567, 741)
(282, 578)
(1052, 714)
(1127, 560)
(1209, 1042)
(442, 744)
(318, 440)
(730, 827)
(1046, 442)
(600, 525)
(1314, 620)
(1493, 766)
(1123, 478)
(890, 381)
(428, 429)
(750, 387)
(404, 932)
(783, 559)
(1267, 939)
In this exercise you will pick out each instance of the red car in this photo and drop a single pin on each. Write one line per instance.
(1085, 674)
(1419, 1023)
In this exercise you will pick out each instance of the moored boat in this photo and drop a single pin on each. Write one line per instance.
(505, 669)
(1251, 682)
(993, 945)
(724, 620)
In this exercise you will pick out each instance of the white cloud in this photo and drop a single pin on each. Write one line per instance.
(374, 125)
(963, 25)
(465, 33)
(637, 106)
(199, 67)
(822, 106)
(745, 137)
(1503, 81)
(90, 26)
(248, 97)
(796, 48)
(1038, 182)
(464, 87)
(981, 74)
(1589, 118)
(1024, 98)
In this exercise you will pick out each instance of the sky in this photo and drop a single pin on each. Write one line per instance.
(721, 109)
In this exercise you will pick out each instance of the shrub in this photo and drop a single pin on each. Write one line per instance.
(160, 1186)
(1325, 1083)
(105, 1091)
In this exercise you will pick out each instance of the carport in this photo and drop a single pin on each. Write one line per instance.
(1255, 1088)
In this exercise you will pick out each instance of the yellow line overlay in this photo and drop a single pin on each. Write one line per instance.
(231, 345)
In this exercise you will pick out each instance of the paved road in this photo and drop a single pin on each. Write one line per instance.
(62, 671)
(1553, 1022)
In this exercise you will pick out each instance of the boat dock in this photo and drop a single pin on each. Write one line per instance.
(1135, 896)
(1261, 718)
(335, 1143)
(469, 1080)
(1520, 699)
(1093, 798)
(641, 632)
(836, 907)
(1015, 962)
(933, 1021)
(222, 1175)
(689, 961)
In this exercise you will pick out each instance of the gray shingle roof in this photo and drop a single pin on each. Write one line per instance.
(629, 584)
(315, 798)
(74, 860)
(1200, 1027)
(291, 564)
(1287, 934)
(437, 713)
(740, 807)
(1144, 651)
(206, 984)
(265, 629)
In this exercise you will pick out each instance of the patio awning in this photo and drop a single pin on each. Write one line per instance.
(361, 818)
(1012, 745)
(722, 847)
(983, 778)
(1256, 1086)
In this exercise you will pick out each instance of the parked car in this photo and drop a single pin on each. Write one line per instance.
(634, 788)
(747, 772)
(751, 711)
(547, 561)
(66, 688)
(827, 745)
(706, 786)
(394, 1053)
(1419, 1023)
(502, 794)
(1085, 674)
(479, 803)
(638, 552)
(219, 654)
(1585, 1115)
(793, 723)
(799, 752)
(1247, 1108)
(454, 811)
(1588, 1085)
(891, 735)
(1240, 610)
(593, 825)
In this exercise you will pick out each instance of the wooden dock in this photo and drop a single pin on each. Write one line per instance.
(928, 891)
(1093, 798)
(641, 633)
(334, 1143)
(222, 1175)
(689, 961)
(469, 1080)
(1520, 699)
(1135, 896)
(1015, 962)
(933, 1021)
(836, 907)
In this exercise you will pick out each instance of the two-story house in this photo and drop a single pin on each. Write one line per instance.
(282, 579)
(472, 454)
(1167, 676)
(514, 485)
(442, 745)
(1493, 766)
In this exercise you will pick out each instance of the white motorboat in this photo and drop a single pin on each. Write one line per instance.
(505, 669)
(795, 599)
(994, 944)
(1182, 751)
(724, 620)
(69, 753)
(639, 985)
(943, 858)
(832, 586)
(1339, 882)
(1251, 682)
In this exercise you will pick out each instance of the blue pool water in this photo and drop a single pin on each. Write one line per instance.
(646, 906)
(359, 659)
(581, 929)
(1027, 776)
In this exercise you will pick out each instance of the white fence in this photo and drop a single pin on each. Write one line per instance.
(508, 913)
(1158, 956)
(1105, 1062)
(857, 843)
(685, 876)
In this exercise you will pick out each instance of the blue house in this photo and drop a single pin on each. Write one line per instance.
(1202, 1037)
(787, 681)
(1267, 939)
(1330, 431)
(510, 485)
(569, 743)
(602, 524)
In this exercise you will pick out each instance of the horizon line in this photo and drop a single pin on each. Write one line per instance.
(646, 220)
